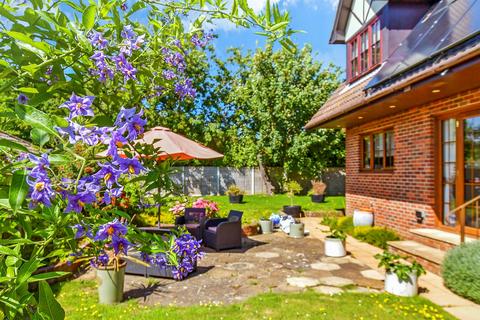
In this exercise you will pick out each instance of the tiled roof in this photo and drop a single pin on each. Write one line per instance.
(345, 98)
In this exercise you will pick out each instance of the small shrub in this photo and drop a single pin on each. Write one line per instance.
(397, 264)
(329, 221)
(345, 224)
(234, 190)
(376, 236)
(460, 270)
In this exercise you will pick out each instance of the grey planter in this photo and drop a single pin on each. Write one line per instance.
(235, 198)
(266, 226)
(317, 198)
(297, 230)
(152, 271)
(110, 284)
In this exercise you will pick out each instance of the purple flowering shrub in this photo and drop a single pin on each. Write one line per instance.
(178, 251)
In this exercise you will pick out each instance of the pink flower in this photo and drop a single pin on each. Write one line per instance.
(178, 209)
(210, 206)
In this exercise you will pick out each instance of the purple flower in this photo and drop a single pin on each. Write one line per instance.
(97, 40)
(110, 229)
(82, 231)
(174, 59)
(129, 122)
(120, 245)
(79, 106)
(103, 259)
(138, 43)
(169, 74)
(124, 6)
(98, 57)
(40, 189)
(116, 141)
(112, 193)
(201, 41)
(131, 166)
(89, 184)
(158, 90)
(108, 173)
(22, 99)
(49, 71)
(128, 71)
(185, 89)
(128, 33)
(41, 163)
(76, 202)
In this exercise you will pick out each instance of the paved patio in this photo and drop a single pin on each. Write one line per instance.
(273, 262)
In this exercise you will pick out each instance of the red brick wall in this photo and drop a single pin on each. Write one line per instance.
(395, 196)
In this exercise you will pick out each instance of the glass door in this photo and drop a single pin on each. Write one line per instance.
(460, 168)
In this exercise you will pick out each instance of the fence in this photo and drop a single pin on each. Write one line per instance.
(215, 180)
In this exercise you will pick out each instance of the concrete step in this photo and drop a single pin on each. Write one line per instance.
(437, 238)
(430, 258)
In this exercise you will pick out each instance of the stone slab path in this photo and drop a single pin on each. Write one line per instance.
(431, 285)
(267, 263)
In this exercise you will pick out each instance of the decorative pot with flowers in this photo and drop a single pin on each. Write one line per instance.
(266, 225)
(401, 276)
(172, 255)
(107, 251)
(297, 229)
(178, 209)
(335, 243)
(210, 206)
(317, 193)
(292, 188)
(235, 194)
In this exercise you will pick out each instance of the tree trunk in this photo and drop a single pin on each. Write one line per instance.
(265, 178)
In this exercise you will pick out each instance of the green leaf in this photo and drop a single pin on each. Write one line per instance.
(39, 136)
(12, 145)
(47, 276)
(36, 118)
(26, 39)
(7, 251)
(18, 189)
(27, 90)
(47, 302)
(88, 17)
(60, 158)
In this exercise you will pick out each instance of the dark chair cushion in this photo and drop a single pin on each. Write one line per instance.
(214, 229)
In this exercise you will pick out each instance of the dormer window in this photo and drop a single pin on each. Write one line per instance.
(364, 50)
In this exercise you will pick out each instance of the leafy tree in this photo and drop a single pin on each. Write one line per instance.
(272, 95)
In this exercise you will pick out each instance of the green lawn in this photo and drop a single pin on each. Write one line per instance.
(256, 206)
(79, 299)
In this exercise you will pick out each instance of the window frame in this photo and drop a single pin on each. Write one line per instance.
(358, 38)
(371, 138)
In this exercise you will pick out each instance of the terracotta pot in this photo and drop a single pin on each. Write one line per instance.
(250, 230)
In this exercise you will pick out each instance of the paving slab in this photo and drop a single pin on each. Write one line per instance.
(302, 282)
(328, 290)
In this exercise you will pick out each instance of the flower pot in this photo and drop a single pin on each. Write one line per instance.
(318, 198)
(335, 247)
(266, 226)
(235, 198)
(362, 218)
(293, 211)
(110, 283)
(394, 285)
(249, 230)
(297, 230)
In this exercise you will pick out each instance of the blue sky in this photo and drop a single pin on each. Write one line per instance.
(315, 17)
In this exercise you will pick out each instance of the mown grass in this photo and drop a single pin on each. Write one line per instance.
(79, 299)
(256, 206)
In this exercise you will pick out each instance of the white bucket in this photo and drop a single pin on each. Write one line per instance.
(335, 247)
(407, 288)
(362, 218)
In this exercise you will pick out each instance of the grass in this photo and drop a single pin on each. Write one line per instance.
(256, 206)
(79, 299)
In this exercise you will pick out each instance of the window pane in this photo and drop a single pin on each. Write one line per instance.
(366, 152)
(378, 150)
(364, 52)
(354, 59)
(449, 170)
(376, 43)
(390, 149)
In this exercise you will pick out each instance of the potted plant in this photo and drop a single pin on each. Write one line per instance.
(292, 188)
(275, 218)
(297, 229)
(266, 225)
(362, 217)
(107, 253)
(401, 277)
(335, 243)
(235, 194)
(317, 193)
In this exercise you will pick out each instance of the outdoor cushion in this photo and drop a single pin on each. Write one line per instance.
(192, 225)
(214, 229)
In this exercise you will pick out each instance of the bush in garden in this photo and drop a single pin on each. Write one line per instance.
(377, 236)
(460, 270)
(345, 224)
(91, 56)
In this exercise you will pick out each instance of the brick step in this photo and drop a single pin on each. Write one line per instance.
(430, 258)
(437, 238)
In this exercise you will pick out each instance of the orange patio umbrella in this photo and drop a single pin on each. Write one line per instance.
(176, 146)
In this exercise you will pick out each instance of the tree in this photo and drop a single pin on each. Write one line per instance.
(274, 94)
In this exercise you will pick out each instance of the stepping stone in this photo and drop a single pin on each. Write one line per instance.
(324, 266)
(236, 266)
(302, 282)
(328, 290)
(267, 255)
(372, 274)
(364, 290)
(336, 281)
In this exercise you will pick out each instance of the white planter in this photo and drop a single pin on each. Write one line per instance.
(335, 247)
(407, 288)
(362, 218)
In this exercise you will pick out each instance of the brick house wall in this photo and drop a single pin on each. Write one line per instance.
(395, 196)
